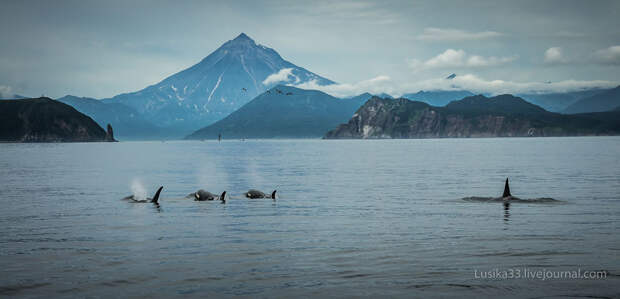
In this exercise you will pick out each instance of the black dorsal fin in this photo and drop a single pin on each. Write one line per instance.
(223, 197)
(156, 197)
(506, 189)
(273, 194)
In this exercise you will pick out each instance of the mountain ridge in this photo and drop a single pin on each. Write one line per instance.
(219, 84)
(604, 101)
(402, 118)
(438, 97)
(505, 103)
(558, 101)
(284, 112)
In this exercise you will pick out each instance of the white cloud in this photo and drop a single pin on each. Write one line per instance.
(439, 34)
(449, 58)
(375, 85)
(554, 55)
(282, 75)
(607, 56)
(458, 59)
(6, 92)
(469, 82)
(610, 55)
(479, 85)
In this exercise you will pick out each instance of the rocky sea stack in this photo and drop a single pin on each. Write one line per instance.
(109, 136)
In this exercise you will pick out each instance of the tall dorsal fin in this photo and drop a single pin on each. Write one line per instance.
(506, 189)
(156, 197)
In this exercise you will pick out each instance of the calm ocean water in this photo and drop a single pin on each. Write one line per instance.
(353, 218)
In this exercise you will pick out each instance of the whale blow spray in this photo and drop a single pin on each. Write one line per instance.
(138, 190)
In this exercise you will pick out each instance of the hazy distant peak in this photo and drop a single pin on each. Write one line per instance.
(603, 101)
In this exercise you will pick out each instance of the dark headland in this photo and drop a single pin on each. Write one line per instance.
(46, 120)
(475, 116)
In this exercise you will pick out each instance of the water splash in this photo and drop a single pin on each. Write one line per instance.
(138, 190)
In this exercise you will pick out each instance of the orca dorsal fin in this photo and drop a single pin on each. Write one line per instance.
(223, 197)
(156, 197)
(273, 195)
(506, 190)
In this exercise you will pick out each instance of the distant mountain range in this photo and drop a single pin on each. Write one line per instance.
(213, 95)
(128, 123)
(602, 101)
(476, 116)
(47, 120)
(12, 97)
(218, 85)
(590, 100)
(557, 102)
(284, 112)
(438, 97)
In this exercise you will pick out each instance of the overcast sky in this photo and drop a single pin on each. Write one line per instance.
(100, 49)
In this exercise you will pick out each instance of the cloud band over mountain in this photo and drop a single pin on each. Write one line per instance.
(470, 82)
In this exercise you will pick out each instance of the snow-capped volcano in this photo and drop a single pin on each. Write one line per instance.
(222, 82)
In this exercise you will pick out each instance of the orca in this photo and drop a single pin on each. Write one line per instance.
(507, 197)
(202, 195)
(253, 193)
(154, 200)
(506, 190)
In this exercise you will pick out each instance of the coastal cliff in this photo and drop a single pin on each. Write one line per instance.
(475, 116)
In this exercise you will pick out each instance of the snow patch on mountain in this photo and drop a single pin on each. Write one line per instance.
(219, 79)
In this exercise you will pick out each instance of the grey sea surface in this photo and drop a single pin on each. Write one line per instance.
(353, 218)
